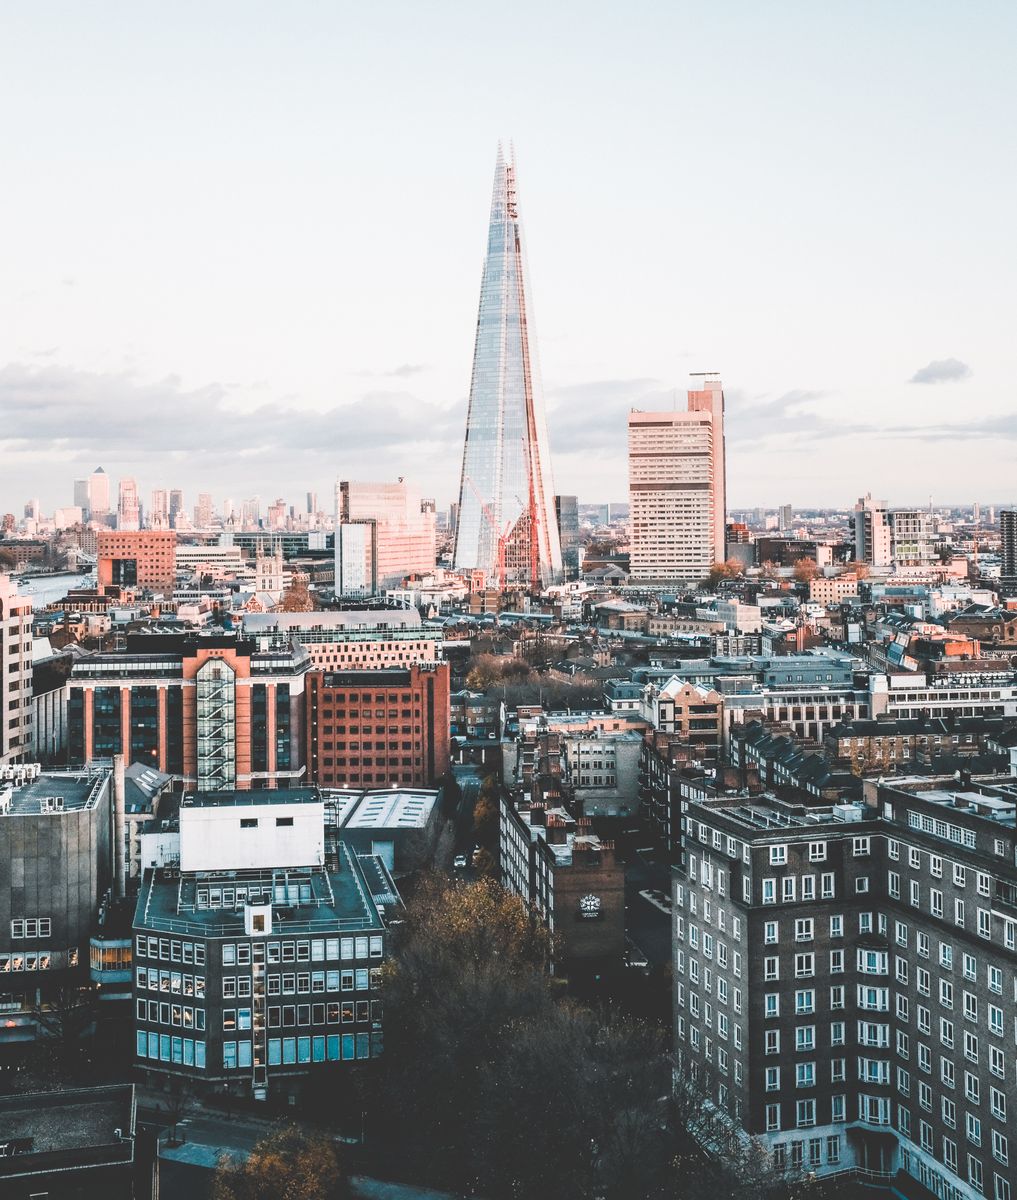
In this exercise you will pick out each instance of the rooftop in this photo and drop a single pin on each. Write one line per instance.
(53, 792)
(243, 799)
(304, 900)
(394, 808)
(352, 618)
(67, 1129)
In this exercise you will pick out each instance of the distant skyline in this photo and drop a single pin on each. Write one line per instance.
(243, 244)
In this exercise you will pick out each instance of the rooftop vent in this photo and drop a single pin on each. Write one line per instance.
(50, 804)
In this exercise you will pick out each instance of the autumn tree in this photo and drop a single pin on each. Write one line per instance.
(806, 570)
(731, 569)
(297, 597)
(290, 1163)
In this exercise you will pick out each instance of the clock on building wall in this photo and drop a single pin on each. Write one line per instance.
(589, 906)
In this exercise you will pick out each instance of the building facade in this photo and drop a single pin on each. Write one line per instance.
(383, 727)
(350, 639)
(257, 959)
(56, 838)
(384, 532)
(844, 979)
(211, 710)
(133, 559)
(16, 738)
(677, 489)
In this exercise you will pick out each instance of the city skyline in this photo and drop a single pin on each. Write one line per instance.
(792, 239)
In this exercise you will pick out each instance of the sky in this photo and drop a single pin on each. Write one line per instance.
(241, 242)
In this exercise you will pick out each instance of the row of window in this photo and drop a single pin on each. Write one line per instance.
(163, 1013)
(165, 1047)
(179, 983)
(304, 982)
(171, 950)
(31, 927)
(346, 1012)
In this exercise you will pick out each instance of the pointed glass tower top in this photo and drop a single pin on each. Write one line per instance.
(507, 525)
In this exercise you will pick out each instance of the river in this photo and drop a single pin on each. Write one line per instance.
(45, 589)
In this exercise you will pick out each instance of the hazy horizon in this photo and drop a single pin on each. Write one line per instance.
(244, 245)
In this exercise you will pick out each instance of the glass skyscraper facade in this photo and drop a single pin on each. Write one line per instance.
(507, 526)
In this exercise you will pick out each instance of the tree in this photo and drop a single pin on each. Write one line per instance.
(297, 597)
(731, 569)
(806, 570)
(290, 1163)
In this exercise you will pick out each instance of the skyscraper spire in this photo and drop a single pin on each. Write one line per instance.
(506, 525)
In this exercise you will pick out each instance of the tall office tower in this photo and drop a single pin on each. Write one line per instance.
(250, 513)
(82, 498)
(785, 518)
(176, 505)
(384, 532)
(204, 511)
(453, 518)
(277, 514)
(1008, 542)
(506, 523)
(32, 509)
(873, 542)
(128, 508)
(312, 503)
(98, 495)
(678, 488)
(16, 671)
(158, 509)
(566, 511)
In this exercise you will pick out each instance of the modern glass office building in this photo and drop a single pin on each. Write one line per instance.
(507, 526)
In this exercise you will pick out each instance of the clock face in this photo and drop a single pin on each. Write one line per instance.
(589, 906)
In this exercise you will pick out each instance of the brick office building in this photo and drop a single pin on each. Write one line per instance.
(844, 979)
(383, 727)
(145, 559)
(570, 876)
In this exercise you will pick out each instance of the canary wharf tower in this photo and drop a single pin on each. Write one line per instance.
(507, 526)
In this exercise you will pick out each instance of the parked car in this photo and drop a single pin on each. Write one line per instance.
(459, 862)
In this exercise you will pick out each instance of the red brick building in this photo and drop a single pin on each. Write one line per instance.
(378, 728)
(145, 559)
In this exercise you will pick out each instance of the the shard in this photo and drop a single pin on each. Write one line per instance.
(506, 526)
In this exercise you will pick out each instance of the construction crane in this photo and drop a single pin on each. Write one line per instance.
(500, 538)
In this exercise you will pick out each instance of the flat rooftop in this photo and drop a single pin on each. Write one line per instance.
(259, 796)
(54, 792)
(993, 798)
(351, 618)
(55, 1122)
(313, 900)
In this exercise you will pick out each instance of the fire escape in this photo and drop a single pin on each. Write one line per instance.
(216, 723)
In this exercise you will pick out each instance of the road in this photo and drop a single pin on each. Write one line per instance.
(647, 925)
(469, 777)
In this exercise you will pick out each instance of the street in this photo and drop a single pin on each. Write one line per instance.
(648, 926)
